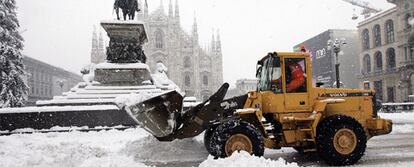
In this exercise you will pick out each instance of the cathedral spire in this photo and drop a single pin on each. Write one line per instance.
(218, 43)
(94, 39)
(213, 43)
(170, 10)
(161, 5)
(145, 9)
(100, 41)
(177, 12)
(195, 30)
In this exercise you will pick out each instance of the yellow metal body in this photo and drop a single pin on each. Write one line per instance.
(300, 113)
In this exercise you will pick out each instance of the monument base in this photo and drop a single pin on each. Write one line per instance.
(122, 74)
(125, 41)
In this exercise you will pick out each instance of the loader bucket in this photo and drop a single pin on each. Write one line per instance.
(158, 114)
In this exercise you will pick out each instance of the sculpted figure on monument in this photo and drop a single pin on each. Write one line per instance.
(125, 52)
(128, 7)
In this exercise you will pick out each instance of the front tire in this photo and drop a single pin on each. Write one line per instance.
(208, 133)
(236, 135)
(340, 140)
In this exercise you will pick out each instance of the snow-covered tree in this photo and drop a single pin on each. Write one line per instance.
(13, 86)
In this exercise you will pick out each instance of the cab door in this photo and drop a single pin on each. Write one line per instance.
(296, 89)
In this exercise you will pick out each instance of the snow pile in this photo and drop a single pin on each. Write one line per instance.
(74, 149)
(149, 149)
(244, 159)
(112, 148)
(131, 99)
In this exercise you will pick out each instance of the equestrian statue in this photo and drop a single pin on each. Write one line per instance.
(129, 7)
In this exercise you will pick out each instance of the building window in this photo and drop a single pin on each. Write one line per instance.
(367, 63)
(390, 94)
(407, 21)
(378, 61)
(410, 51)
(187, 63)
(187, 81)
(159, 39)
(365, 39)
(391, 58)
(377, 35)
(389, 30)
(378, 89)
(205, 80)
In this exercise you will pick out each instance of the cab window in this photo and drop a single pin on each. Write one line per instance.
(295, 71)
(269, 74)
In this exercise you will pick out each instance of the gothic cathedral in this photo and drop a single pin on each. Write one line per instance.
(196, 71)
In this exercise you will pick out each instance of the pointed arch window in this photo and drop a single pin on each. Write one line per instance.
(159, 39)
(187, 80)
(391, 58)
(377, 35)
(205, 80)
(378, 61)
(365, 39)
(367, 64)
(389, 30)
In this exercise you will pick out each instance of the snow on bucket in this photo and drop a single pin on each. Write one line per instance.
(158, 114)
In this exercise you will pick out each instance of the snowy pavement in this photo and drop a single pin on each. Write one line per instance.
(135, 147)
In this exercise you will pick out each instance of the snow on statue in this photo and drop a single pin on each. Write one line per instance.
(161, 79)
(13, 86)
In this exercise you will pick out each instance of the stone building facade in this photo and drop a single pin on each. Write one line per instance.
(197, 71)
(387, 52)
(46, 81)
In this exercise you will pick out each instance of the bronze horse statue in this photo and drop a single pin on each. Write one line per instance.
(129, 7)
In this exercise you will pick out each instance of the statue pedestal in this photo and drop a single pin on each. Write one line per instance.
(122, 74)
(125, 57)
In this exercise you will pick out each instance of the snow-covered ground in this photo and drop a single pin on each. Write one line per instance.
(131, 147)
(136, 147)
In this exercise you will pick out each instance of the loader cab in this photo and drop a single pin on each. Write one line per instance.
(287, 76)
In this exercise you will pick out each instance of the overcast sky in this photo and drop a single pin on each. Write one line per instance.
(59, 31)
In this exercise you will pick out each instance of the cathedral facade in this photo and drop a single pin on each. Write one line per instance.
(197, 71)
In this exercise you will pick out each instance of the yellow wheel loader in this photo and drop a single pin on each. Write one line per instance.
(333, 122)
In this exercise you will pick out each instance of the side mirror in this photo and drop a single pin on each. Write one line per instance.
(319, 84)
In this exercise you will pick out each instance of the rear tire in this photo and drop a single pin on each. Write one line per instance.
(236, 135)
(340, 140)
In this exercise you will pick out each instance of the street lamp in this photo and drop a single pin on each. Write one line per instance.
(336, 48)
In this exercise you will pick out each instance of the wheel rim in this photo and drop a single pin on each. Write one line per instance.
(345, 141)
(238, 142)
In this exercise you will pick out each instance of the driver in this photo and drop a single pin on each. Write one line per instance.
(297, 78)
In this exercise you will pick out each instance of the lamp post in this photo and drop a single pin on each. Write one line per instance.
(336, 48)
